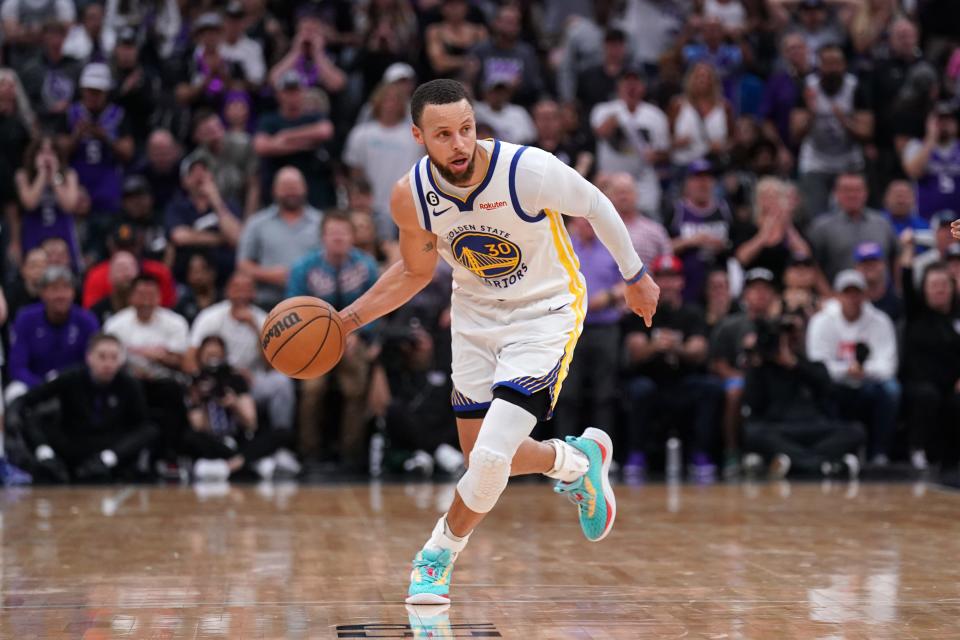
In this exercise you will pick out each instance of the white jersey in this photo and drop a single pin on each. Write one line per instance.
(519, 299)
(500, 244)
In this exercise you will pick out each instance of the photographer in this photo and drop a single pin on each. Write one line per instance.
(223, 431)
(785, 406)
(419, 417)
(858, 345)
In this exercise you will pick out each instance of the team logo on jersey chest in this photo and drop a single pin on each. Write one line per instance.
(486, 255)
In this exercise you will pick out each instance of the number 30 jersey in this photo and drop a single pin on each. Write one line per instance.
(502, 240)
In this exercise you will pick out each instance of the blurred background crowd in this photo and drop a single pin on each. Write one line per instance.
(170, 170)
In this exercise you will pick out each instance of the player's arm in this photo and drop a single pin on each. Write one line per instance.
(402, 280)
(563, 189)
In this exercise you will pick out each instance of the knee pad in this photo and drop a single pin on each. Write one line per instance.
(485, 479)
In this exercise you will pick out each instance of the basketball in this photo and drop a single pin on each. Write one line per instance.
(302, 337)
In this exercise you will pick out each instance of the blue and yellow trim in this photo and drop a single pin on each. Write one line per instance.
(424, 212)
(577, 287)
(466, 204)
(462, 403)
(512, 182)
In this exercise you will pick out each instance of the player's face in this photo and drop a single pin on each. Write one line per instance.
(449, 133)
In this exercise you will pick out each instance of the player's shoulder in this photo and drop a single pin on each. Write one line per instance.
(528, 157)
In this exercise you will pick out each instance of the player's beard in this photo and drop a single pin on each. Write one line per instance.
(457, 179)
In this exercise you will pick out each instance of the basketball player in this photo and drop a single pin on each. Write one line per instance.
(492, 210)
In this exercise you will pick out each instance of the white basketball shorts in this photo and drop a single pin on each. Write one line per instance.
(523, 346)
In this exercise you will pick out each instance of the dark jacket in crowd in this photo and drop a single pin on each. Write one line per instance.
(776, 394)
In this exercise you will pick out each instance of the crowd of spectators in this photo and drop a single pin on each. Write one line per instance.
(170, 170)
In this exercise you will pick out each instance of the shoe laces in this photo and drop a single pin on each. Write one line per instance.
(432, 568)
(576, 492)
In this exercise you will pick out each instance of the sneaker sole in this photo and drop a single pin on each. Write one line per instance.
(606, 444)
(427, 598)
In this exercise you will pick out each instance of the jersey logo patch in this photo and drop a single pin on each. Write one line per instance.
(490, 206)
(486, 255)
(441, 212)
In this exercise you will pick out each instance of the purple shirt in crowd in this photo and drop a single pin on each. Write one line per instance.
(781, 94)
(601, 273)
(38, 347)
(97, 167)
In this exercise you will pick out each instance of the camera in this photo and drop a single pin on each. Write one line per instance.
(770, 334)
(213, 381)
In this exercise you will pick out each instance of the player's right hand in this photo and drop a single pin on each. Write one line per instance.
(642, 297)
(955, 229)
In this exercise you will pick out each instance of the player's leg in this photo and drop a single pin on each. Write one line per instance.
(533, 456)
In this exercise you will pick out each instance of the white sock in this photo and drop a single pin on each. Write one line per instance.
(109, 458)
(570, 463)
(44, 453)
(443, 538)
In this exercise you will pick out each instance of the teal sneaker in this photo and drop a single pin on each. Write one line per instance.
(430, 580)
(592, 492)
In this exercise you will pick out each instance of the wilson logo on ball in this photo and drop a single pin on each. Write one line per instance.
(280, 326)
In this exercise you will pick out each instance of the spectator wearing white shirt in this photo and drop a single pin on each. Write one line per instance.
(239, 48)
(632, 136)
(510, 122)
(382, 150)
(88, 40)
(237, 321)
(730, 13)
(155, 338)
(858, 345)
(23, 21)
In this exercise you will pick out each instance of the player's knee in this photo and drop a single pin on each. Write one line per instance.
(485, 479)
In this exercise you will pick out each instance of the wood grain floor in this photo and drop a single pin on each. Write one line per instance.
(797, 561)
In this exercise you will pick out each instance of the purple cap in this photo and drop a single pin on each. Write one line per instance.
(868, 251)
(698, 167)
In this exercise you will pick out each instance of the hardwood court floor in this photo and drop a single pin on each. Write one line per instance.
(741, 561)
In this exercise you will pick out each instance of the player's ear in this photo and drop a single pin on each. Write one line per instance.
(417, 134)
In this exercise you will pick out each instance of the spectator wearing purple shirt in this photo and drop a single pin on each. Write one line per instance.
(598, 350)
(783, 90)
(49, 336)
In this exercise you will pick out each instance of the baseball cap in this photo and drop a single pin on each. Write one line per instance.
(667, 263)
(56, 273)
(398, 71)
(207, 21)
(614, 35)
(234, 9)
(849, 278)
(198, 156)
(633, 70)
(127, 35)
(135, 185)
(942, 218)
(96, 75)
(124, 236)
(946, 109)
(699, 167)
(290, 79)
(868, 251)
(758, 274)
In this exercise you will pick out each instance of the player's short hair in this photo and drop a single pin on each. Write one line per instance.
(441, 91)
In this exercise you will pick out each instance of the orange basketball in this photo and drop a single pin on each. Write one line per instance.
(302, 337)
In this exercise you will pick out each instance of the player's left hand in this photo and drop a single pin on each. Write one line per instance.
(955, 229)
(642, 297)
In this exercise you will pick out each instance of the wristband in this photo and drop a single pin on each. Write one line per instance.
(640, 274)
